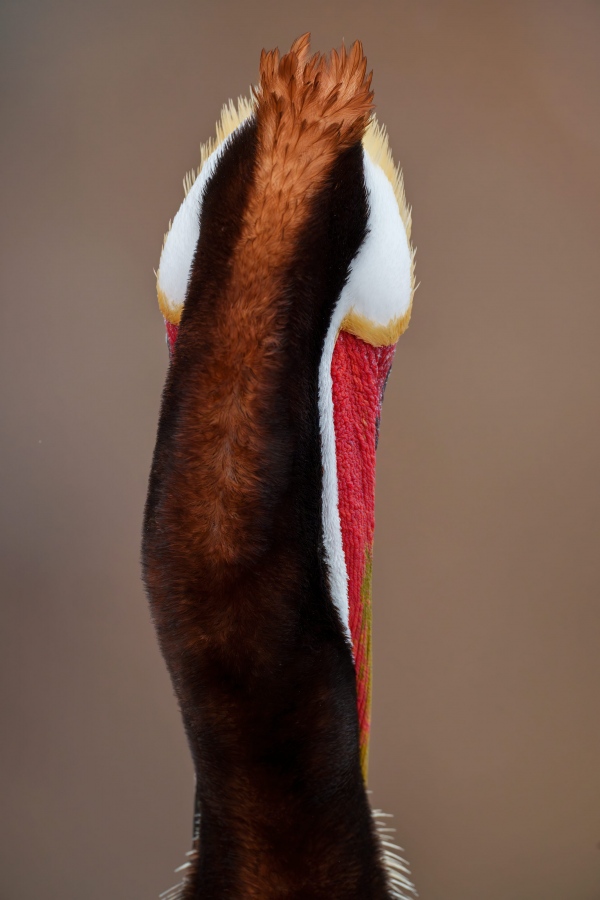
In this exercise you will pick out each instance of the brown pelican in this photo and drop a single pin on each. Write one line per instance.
(285, 281)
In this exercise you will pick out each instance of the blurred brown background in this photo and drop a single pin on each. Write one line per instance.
(486, 741)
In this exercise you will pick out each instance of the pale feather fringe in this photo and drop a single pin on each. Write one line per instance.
(398, 873)
(377, 144)
(232, 115)
(177, 892)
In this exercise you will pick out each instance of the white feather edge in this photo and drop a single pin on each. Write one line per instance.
(332, 529)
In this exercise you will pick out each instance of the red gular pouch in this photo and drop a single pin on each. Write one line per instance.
(171, 336)
(359, 374)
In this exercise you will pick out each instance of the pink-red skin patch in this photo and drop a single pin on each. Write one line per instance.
(359, 372)
(171, 334)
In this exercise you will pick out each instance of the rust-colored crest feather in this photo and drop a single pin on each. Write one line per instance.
(308, 109)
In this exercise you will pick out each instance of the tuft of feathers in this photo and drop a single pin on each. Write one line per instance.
(327, 94)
